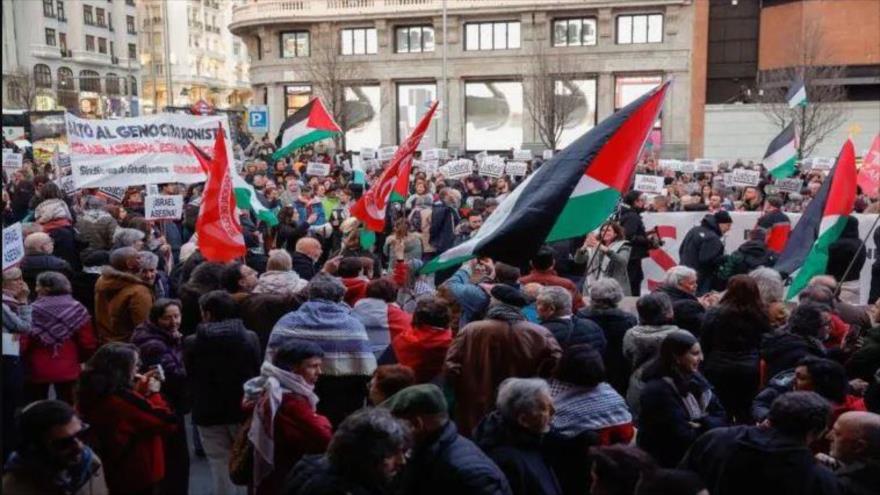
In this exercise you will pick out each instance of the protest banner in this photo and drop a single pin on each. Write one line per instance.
(318, 168)
(705, 165)
(652, 184)
(150, 149)
(522, 155)
(547, 154)
(12, 161)
(368, 153)
(745, 178)
(728, 179)
(688, 167)
(492, 166)
(457, 169)
(789, 185)
(821, 163)
(435, 154)
(13, 245)
(518, 169)
(163, 207)
(387, 153)
(674, 165)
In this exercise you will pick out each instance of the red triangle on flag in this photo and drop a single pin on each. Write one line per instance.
(320, 119)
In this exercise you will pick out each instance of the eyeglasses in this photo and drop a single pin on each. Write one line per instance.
(70, 441)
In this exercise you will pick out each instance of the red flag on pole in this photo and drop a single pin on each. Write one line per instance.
(220, 237)
(371, 207)
(869, 175)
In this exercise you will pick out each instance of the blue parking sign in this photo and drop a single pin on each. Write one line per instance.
(258, 119)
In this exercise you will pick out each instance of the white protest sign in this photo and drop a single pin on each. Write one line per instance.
(674, 165)
(821, 163)
(789, 185)
(706, 165)
(12, 161)
(547, 154)
(370, 164)
(435, 154)
(652, 184)
(745, 178)
(519, 169)
(150, 149)
(457, 169)
(368, 153)
(429, 166)
(387, 153)
(479, 157)
(688, 167)
(728, 179)
(113, 193)
(522, 155)
(65, 182)
(492, 166)
(13, 245)
(163, 207)
(318, 168)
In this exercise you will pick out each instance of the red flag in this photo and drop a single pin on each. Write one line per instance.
(220, 237)
(371, 207)
(869, 175)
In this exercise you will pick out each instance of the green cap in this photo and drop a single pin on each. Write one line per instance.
(417, 399)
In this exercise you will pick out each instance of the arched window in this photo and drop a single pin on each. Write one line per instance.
(134, 86)
(65, 79)
(112, 84)
(89, 81)
(42, 76)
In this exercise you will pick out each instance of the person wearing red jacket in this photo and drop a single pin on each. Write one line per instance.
(128, 419)
(423, 346)
(351, 271)
(61, 338)
(285, 425)
(382, 317)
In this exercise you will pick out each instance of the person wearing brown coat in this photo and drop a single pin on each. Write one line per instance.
(122, 299)
(486, 352)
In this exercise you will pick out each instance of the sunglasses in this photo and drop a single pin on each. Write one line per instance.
(70, 441)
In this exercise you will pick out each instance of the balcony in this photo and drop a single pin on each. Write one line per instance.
(259, 12)
(46, 51)
(94, 58)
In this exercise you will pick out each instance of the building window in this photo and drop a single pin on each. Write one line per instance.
(413, 100)
(112, 84)
(62, 40)
(645, 28)
(129, 24)
(88, 15)
(99, 17)
(296, 97)
(102, 45)
(493, 115)
(574, 32)
(415, 39)
(359, 41)
(491, 36)
(90, 43)
(48, 8)
(89, 80)
(60, 10)
(362, 109)
(132, 51)
(295, 44)
(65, 79)
(134, 86)
(628, 89)
(50, 37)
(578, 96)
(42, 76)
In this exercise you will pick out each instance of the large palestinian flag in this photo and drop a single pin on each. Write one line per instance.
(821, 224)
(308, 124)
(780, 160)
(569, 195)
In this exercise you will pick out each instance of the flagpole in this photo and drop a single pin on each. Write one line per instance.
(859, 250)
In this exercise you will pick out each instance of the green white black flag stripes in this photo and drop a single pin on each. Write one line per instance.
(797, 94)
(780, 160)
(307, 125)
(569, 195)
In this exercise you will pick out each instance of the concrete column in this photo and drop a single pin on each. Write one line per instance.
(604, 96)
(699, 56)
(388, 112)
(276, 107)
(456, 114)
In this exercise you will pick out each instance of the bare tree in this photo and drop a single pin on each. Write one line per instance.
(822, 113)
(330, 74)
(22, 88)
(550, 97)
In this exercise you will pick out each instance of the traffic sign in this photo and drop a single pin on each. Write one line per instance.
(258, 119)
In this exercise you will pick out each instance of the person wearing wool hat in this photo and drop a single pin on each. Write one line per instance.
(442, 461)
(703, 250)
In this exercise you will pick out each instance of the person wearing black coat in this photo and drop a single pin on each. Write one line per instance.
(772, 458)
(807, 326)
(687, 311)
(875, 271)
(554, 313)
(38, 262)
(681, 401)
(752, 254)
(634, 228)
(703, 250)
(846, 250)
(614, 323)
(444, 218)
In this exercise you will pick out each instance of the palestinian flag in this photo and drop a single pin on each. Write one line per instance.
(780, 160)
(797, 94)
(394, 181)
(309, 124)
(821, 223)
(245, 196)
(568, 196)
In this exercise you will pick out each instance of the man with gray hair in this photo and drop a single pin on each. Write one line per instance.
(39, 258)
(680, 284)
(772, 291)
(605, 295)
(348, 358)
(849, 313)
(128, 238)
(554, 313)
(95, 226)
(512, 435)
(122, 298)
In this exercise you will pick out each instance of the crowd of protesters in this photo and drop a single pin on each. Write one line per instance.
(325, 362)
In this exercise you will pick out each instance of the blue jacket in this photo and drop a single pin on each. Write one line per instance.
(574, 331)
(472, 299)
